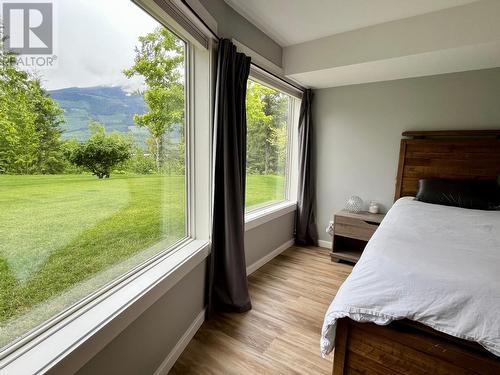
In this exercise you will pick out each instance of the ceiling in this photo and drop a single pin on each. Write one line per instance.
(329, 43)
(290, 22)
(473, 57)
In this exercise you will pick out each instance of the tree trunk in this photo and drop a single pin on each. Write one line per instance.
(159, 153)
(266, 160)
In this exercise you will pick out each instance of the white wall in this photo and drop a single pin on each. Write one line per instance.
(262, 240)
(358, 130)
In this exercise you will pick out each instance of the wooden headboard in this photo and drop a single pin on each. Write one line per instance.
(446, 154)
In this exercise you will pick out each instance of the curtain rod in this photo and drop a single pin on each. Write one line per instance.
(214, 34)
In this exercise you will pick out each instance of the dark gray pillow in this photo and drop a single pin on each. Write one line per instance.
(475, 194)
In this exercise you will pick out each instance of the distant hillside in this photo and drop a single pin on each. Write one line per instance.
(110, 106)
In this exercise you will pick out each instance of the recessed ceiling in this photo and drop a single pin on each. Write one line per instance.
(291, 22)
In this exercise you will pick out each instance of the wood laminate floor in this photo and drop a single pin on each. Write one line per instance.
(280, 335)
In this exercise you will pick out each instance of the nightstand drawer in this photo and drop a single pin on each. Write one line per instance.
(354, 228)
(351, 232)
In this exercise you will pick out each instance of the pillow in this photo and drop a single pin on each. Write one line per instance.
(475, 194)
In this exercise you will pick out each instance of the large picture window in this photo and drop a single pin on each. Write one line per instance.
(268, 134)
(92, 159)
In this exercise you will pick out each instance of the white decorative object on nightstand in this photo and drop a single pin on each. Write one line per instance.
(373, 208)
(354, 204)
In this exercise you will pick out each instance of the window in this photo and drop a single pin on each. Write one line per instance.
(93, 169)
(269, 119)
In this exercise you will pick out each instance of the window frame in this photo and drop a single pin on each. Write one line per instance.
(155, 276)
(290, 198)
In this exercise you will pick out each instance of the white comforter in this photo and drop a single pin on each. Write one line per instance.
(433, 264)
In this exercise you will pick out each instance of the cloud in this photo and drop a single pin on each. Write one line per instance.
(94, 42)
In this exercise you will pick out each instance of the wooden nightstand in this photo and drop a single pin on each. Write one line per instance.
(351, 234)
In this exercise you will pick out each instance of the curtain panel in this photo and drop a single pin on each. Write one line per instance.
(228, 287)
(306, 232)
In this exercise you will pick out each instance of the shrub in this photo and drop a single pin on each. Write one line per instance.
(140, 162)
(101, 152)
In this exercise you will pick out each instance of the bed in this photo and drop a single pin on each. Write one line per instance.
(425, 295)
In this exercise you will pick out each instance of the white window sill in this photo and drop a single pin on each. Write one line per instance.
(253, 219)
(105, 317)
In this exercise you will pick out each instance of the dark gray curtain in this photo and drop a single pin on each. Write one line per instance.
(306, 232)
(228, 288)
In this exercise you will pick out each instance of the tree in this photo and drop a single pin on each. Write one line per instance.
(266, 129)
(276, 106)
(29, 122)
(101, 152)
(48, 121)
(279, 141)
(159, 60)
(258, 128)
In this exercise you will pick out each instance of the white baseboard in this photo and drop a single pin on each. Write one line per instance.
(176, 352)
(255, 266)
(325, 244)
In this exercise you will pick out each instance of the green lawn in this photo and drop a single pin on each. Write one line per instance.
(59, 231)
(263, 189)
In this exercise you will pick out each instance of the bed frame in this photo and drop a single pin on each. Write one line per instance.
(406, 347)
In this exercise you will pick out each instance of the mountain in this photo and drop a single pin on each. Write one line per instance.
(111, 106)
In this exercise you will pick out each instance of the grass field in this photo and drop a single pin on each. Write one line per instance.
(263, 189)
(58, 231)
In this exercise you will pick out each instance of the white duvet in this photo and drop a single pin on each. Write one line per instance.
(433, 264)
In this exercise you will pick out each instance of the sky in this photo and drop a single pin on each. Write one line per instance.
(94, 41)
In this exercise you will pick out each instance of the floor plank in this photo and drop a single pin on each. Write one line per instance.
(280, 335)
